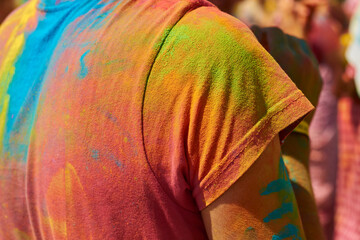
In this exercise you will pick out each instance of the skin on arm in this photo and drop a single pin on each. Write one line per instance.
(296, 150)
(296, 59)
(259, 205)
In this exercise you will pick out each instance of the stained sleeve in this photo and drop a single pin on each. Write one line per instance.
(214, 100)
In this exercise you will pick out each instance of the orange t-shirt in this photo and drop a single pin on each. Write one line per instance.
(124, 119)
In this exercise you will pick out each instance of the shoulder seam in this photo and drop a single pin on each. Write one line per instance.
(197, 5)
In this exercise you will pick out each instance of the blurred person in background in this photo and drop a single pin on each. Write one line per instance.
(353, 49)
(328, 27)
(347, 219)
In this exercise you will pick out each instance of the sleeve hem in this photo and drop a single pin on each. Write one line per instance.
(282, 117)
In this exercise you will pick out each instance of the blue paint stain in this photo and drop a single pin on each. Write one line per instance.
(110, 116)
(83, 68)
(38, 59)
(26, 83)
(249, 229)
(250, 234)
(282, 169)
(116, 161)
(125, 133)
(278, 213)
(283, 188)
(288, 231)
(95, 154)
(277, 186)
(118, 164)
(282, 185)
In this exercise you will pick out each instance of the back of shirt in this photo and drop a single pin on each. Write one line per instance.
(123, 119)
(85, 63)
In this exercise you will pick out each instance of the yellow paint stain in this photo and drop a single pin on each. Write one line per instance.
(65, 188)
(83, 112)
(3, 113)
(7, 71)
(57, 226)
(13, 48)
(126, 139)
(18, 234)
(54, 198)
(67, 118)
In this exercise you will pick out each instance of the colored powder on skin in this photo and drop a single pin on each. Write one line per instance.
(250, 234)
(276, 186)
(249, 229)
(283, 188)
(288, 231)
(278, 213)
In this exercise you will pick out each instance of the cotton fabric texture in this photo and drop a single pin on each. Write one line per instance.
(124, 119)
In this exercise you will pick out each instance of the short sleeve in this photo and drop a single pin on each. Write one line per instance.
(214, 100)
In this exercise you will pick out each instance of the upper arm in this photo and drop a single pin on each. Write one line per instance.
(259, 205)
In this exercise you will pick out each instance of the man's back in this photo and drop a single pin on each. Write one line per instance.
(118, 120)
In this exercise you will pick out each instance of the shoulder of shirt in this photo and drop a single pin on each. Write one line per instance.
(209, 15)
(211, 28)
(216, 35)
